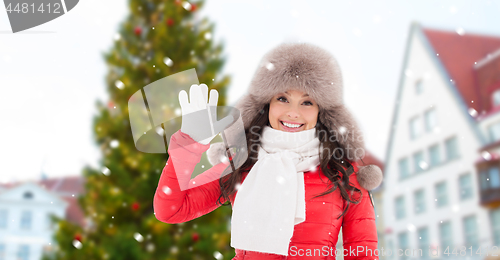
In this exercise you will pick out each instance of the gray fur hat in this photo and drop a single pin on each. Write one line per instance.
(313, 70)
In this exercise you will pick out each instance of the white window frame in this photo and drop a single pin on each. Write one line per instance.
(26, 221)
(430, 118)
(445, 239)
(399, 203)
(465, 185)
(415, 125)
(441, 196)
(419, 201)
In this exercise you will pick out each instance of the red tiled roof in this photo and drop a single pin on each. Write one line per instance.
(74, 213)
(488, 79)
(70, 184)
(458, 53)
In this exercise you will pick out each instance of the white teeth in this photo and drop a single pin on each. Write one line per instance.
(290, 125)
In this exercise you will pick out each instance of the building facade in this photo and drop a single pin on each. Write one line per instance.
(26, 228)
(431, 190)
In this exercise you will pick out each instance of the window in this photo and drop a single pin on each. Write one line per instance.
(445, 235)
(403, 242)
(26, 220)
(484, 179)
(419, 86)
(465, 186)
(3, 218)
(495, 225)
(494, 177)
(24, 252)
(430, 120)
(390, 246)
(419, 201)
(404, 170)
(494, 132)
(434, 155)
(496, 98)
(441, 194)
(470, 231)
(415, 127)
(419, 164)
(28, 195)
(400, 207)
(451, 148)
(423, 241)
(489, 178)
(2, 252)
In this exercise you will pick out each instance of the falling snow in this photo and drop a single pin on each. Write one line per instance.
(77, 244)
(177, 111)
(472, 112)
(280, 180)
(114, 143)
(119, 84)
(105, 171)
(270, 66)
(460, 31)
(138, 237)
(186, 5)
(168, 61)
(159, 130)
(217, 255)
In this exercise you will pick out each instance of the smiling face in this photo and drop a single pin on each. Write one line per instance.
(293, 111)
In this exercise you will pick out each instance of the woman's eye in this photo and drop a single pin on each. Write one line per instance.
(309, 102)
(279, 99)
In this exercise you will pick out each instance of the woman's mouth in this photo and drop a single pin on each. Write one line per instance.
(291, 127)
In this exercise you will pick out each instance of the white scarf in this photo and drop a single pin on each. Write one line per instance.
(271, 199)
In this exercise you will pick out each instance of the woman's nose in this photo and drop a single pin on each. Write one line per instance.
(293, 113)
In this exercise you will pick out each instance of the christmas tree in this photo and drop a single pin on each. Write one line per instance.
(157, 39)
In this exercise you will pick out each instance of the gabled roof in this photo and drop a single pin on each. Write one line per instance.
(70, 184)
(459, 55)
(74, 213)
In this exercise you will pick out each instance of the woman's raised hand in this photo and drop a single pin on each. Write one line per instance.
(199, 119)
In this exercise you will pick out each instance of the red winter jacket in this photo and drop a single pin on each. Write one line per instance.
(315, 238)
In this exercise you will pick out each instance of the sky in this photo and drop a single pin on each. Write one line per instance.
(52, 75)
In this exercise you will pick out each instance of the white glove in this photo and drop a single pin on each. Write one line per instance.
(199, 120)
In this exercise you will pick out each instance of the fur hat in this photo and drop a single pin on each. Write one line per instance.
(310, 69)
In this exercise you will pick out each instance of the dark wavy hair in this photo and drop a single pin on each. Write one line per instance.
(331, 164)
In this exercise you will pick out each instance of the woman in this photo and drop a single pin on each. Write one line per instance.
(300, 182)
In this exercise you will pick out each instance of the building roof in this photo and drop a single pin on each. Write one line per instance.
(461, 54)
(74, 213)
(69, 185)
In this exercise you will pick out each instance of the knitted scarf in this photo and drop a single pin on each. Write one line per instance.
(271, 200)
